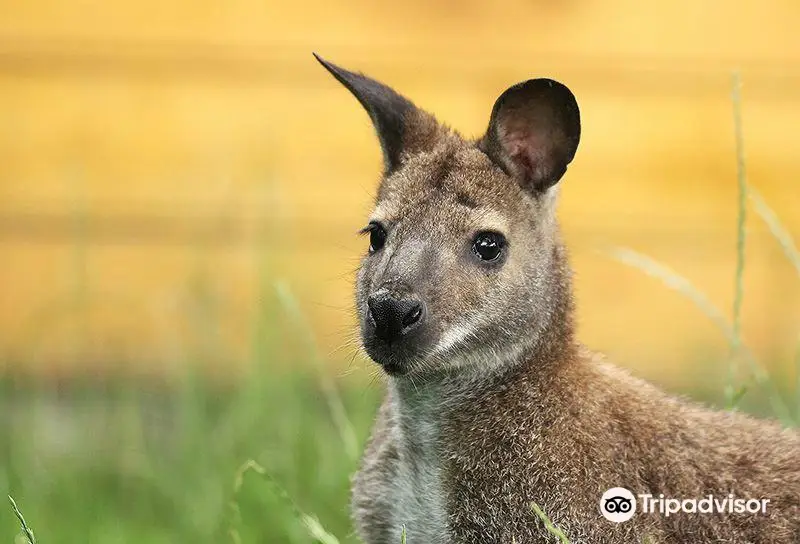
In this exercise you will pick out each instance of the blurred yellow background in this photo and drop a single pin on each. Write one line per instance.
(162, 161)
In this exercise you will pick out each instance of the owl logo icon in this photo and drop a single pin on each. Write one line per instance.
(618, 504)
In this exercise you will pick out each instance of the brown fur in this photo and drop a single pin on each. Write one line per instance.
(497, 406)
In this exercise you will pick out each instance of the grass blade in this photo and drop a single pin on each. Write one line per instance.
(674, 281)
(683, 286)
(552, 529)
(778, 230)
(312, 525)
(741, 238)
(332, 397)
(786, 241)
(25, 529)
(797, 377)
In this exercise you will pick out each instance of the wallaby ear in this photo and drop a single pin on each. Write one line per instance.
(390, 112)
(533, 132)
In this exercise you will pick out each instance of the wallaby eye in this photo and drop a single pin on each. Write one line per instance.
(377, 236)
(488, 245)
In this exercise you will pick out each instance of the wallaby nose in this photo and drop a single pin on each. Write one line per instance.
(393, 316)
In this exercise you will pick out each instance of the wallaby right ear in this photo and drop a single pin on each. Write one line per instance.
(534, 132)
(391, 113)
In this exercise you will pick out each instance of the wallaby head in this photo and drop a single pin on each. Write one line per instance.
(464, 256)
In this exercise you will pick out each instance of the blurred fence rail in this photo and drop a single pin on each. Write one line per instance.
(278, 63)
(159, 174)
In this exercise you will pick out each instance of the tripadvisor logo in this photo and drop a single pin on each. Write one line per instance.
(619, 504)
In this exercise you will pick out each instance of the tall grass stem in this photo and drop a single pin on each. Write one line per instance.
(741, 239)
(338, 412)
(25, 529)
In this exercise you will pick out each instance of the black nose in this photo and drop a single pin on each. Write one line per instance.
(394, 317)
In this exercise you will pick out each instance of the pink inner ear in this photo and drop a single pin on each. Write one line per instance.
(528, 151)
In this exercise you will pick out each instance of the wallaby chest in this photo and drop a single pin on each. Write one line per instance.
(420, 498)
(411, 486)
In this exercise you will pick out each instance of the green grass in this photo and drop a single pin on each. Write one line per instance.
(260, 462)
(139, 463)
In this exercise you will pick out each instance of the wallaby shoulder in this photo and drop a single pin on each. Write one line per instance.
(561, 440)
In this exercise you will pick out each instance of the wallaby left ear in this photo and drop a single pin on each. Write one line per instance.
(534, 132)
(397, 121)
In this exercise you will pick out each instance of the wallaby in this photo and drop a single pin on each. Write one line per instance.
(464, 301)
